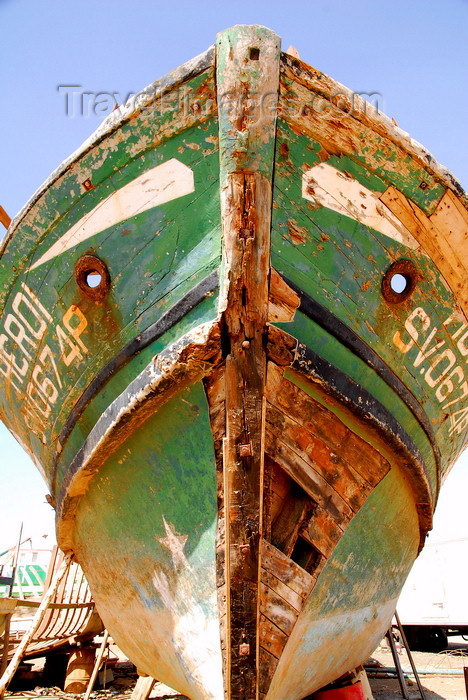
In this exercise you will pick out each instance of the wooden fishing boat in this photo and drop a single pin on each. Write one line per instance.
(242, 418)
(68, 620)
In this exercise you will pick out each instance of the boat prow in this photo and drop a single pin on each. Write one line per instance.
(242, 418)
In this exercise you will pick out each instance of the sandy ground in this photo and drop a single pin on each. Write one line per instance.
(435, 685)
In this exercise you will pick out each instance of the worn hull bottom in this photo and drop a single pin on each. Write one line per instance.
(149, 533)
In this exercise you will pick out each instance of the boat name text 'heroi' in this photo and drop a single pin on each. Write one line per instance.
(24, 328)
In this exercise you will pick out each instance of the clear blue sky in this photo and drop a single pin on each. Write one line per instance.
(414, 53)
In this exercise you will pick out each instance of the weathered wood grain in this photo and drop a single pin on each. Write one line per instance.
(350, 103)
(372, 465)
(362, 463)
(215, 387)
(266, 668)
(301, 408)
(293, 599)
(322, 459)
(245, 368)
(322, 531)
(285, 570)
(280, 346)
(312, 483)
(247, 67)
(277, 610)
(143, 688)
(451, 217)
(288, 520)
(272, 638)
(283, 301)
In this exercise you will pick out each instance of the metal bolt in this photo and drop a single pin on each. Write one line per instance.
(246, 344)
(244, 649)
(245, 450)
(246, 233)
(244, 549)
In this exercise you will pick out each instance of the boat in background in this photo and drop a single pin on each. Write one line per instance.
(69, 619)
(30, 574)
(233, 339)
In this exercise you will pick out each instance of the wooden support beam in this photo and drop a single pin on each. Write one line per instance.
(6, 634)
(248, 69)
(143, 688)
(6, 645)
(245, 376)
(97, 664)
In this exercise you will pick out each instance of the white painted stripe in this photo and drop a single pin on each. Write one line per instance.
(152, 188)
(326, 186)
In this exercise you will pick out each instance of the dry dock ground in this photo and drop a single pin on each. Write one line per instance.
(436, 686)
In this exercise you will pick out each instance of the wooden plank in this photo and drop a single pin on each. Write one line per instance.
(287, 397)
(97, 664)
(289, 573)
(293, 599)
(280, 346)
(215, 388)
(267, 667)
(276, 487)
(143, 688)
(312, 483)
(290, 399)
(283, 301)
(25, 603)
(451, 216)
(445, 250)
(277, 610)
(271, 637)
(322, 531)
(270, 500)
(244, 481)
(225, 632)
(46, 599)
(371, 464)
(280, 481)
(247, 64)
(288, 520)
(274, 507)
(216, 392)
(324, 460)
(6, 646)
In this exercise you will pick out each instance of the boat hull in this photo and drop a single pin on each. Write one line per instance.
(242, 422)
(152, 556)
